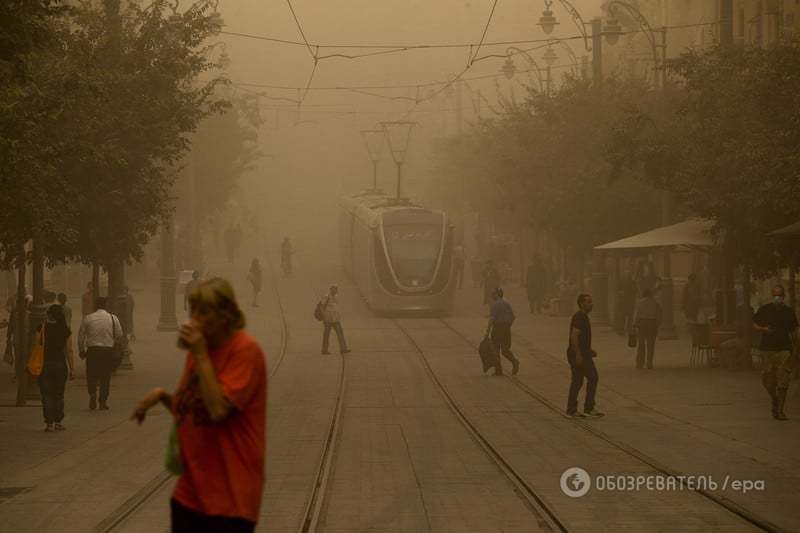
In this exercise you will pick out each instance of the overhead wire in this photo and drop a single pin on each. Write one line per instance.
(485, 29)
(409, 47)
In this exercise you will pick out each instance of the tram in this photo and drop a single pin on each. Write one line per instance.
(398, 254)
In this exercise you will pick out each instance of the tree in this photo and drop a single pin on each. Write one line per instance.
(545, 159)
(728, 149)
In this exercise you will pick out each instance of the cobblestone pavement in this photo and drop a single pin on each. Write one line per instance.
(403, 462)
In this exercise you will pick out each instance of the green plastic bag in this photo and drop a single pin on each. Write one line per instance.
(173, 460)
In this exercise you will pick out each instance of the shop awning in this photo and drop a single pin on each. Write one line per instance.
(693, 233)
(793, 229)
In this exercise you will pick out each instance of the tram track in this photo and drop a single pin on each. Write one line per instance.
(139, 499)
(727, 504)
(544, 512)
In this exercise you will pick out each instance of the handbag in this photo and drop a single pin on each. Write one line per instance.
(632, 340)
(173, 461)
(36, 359)
(116, 356)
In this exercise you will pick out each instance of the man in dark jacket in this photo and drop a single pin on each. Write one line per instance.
(777, 323)
(580, 356)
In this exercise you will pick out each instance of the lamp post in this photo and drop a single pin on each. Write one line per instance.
(548, 22)
(374, 140)
(509, 68)
(397, 134)
(613, 31)
(167, 321)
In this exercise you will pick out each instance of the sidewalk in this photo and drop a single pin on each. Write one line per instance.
(72, 479)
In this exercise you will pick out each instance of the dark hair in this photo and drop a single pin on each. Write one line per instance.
(101, 302)
(783, 291)
(647, 293)
(582, 297)
(497, 292)
(62, 298)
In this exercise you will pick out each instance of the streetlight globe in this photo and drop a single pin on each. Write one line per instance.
(547, 21)
(550, 56)
(612, 31)
(509, 68)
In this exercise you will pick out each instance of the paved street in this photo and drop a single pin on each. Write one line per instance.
(401, 459)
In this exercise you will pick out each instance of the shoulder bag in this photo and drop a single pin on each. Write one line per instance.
(36, 359)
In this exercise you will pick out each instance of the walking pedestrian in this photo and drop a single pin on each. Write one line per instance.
(459, 260)
(580, 356)
(501, 318)
(331, 320)
(287, 251)
(97, 335)
(647, 320)
(535, 282)
(58, 366)
(777, 323)
(62, 301)
(87, 300)
(254, 277)
(219, 411)
(490, 280)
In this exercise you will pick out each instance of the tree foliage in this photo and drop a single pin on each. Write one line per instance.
(92, 137)
(546, 159)
(726, 145)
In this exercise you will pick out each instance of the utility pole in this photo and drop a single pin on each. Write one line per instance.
(167, 320)
(20, 336)
(597, 52)
(726, 22)
(459, 111)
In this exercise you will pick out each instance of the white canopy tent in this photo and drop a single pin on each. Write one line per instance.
(695, 233)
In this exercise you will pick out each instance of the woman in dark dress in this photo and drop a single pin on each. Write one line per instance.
(58, 364)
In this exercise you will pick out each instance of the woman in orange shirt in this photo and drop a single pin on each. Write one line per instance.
(220, 410)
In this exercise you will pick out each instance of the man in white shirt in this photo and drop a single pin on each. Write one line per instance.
(96, 337)
(332, 320)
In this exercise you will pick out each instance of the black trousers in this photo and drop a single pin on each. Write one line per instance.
(586, 370)
(326, 335)
(501, 337)
(52, 382)
(99, 366)
(185, 520)
(647, 331)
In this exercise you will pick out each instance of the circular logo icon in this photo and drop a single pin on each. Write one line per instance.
(575, 482)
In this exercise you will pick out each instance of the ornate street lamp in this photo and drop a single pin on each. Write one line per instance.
(613, 31)
(398, 133)
(509, 68)
(547, 21)
(374, 140)
(550, 56)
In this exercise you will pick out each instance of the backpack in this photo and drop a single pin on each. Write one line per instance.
(319, 310)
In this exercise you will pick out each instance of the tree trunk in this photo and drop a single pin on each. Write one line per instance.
(19, 332)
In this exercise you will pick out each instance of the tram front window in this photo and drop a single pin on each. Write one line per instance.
(413, 252)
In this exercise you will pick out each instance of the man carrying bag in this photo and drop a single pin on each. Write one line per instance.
(100, 343)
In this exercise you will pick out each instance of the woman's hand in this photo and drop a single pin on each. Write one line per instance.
(153, 397)
(193, 338)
